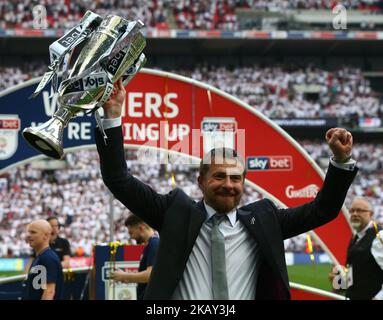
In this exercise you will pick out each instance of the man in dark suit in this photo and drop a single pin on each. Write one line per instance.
(211, 249)
(363, 276)
(364, 254)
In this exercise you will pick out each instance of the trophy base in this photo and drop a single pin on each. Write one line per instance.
(42, 143)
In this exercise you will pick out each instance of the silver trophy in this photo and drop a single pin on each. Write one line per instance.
(85, 63)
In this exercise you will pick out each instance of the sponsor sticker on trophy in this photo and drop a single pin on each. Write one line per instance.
(218, 133)
(9, 138)
(85, 64)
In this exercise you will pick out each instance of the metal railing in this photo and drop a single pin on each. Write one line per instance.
(22, 277)
(323, 293)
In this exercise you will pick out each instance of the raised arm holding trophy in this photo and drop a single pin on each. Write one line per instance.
(85, 64)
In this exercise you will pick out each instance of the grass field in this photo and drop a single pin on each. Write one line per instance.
(9, 273)
(311, 275)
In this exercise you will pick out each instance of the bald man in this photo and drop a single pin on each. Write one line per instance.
(45, 276)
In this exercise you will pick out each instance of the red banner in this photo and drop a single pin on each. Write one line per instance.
(188, 117)
(299, 292)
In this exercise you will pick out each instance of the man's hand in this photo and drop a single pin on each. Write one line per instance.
(340, 143)
(119, 275)
(113, 107)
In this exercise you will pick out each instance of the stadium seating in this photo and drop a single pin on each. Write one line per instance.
(277, 92)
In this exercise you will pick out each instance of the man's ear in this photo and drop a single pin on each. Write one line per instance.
(200, 182)
(371, 214)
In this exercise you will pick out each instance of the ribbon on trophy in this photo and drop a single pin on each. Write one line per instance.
(120, 54)
(60, 48)
(111, 48)
(124, 53)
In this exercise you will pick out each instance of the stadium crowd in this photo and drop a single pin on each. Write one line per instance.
(281, 5)
(206, 15)
(185, 14)
(277, 92)
(281, 92)
(79, 198)
(12, 75)
(62, 14)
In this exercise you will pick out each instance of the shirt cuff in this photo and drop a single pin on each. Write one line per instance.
(379, 295)
(111, 123)
(349, 165)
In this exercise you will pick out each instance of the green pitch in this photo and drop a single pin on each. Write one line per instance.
(9, 273)
(310, 275)
(313, 275)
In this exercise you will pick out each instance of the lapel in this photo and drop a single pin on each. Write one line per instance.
(254, 224)
(197, 217)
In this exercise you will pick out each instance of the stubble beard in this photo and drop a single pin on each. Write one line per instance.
(224, 207)
(356, 225)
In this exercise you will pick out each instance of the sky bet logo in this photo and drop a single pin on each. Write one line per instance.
(270, 163)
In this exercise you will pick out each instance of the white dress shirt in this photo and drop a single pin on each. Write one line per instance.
(242, 262)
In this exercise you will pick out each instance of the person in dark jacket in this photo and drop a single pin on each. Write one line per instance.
(214, 249)
(364, 254)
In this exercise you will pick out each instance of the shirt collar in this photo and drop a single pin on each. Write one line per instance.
(232, 215)
(362, 233)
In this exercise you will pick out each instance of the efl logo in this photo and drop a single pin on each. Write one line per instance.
(270, 163)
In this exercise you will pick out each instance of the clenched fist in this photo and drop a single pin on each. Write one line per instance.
(340, 143)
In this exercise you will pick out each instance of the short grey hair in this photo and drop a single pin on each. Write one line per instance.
(219, 156)
(367, 200)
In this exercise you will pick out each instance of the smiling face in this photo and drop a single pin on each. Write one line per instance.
(360, 214)
(223, 185)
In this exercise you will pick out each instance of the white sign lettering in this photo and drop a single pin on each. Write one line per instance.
(309, 191)
(149, 104)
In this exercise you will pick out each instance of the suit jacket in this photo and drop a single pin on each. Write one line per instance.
(367, 275)
(178, 219)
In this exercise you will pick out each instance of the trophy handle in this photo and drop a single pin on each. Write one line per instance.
(48, 137)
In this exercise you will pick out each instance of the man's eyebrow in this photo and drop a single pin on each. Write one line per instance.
(227, 173)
